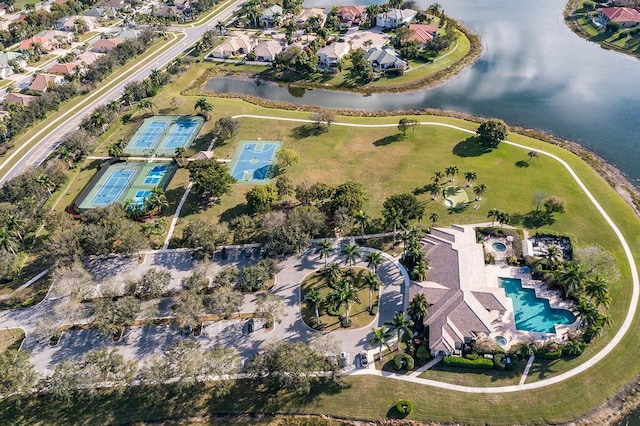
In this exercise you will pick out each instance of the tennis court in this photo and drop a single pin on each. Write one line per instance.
(124, 182)
(113, 187)
(252, 161)
(161, 135)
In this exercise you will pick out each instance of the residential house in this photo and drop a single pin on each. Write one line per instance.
(350, 16)
(625, 16)
(42, 82)
(3, 9)
(330, 55)
(63, 68)
(105, 45)
(270, 15)
(18, 98)
(87, 58)
(395, 18)
(421, 33)
(6, 58)
(301, 20)
(102, 13)
(384, 59)
(128, 34)
(462, 303)
(266, 51)
(71, 23)
(60, 37)
(45, 43)
(236, 45)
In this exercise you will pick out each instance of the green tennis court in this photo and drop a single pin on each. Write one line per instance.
(119, 182)
(161, 135)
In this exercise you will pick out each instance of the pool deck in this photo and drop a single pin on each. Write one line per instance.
(506, 324)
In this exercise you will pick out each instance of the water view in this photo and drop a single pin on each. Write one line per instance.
(534, 72)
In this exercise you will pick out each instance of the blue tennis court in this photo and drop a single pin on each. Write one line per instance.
(140, 197)
(155, 175)
(151, 134)
(117, 182)
(253, 161)
(181, 133)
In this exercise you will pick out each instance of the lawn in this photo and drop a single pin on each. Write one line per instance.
(359, 314)
(389, 164)
(472, 377)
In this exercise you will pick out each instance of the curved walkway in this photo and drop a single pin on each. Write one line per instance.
(624, 328)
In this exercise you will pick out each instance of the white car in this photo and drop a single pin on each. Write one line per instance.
(345, 360)
(364, 361)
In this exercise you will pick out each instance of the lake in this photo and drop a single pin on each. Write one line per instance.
(534, 72)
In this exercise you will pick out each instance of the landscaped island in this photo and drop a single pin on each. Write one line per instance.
(613, 25)
(377, 48)
(269, 180)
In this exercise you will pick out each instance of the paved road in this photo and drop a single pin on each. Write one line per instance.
(50, 138)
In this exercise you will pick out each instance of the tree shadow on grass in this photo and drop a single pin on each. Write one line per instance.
(202, 142)
(234, 212)
(470, 147)
(537, 219)
(388, 140)
(308, 130)
(522, 164)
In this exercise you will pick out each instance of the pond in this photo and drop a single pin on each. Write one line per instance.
(534, 72)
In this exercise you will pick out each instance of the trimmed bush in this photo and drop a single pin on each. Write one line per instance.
(471, 356)
(404, 406)
(480, 363)
(549, 353)
(498, 362)
(423, 353)
(401, 361)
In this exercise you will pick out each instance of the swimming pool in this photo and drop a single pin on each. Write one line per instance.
(532, 313)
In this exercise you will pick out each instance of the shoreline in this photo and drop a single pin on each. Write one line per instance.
(430, 81)
(612, 175)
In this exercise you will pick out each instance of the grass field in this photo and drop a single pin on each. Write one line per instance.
(359, 314)
(11, 338)
(389, 164)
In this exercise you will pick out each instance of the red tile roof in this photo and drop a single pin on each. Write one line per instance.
(63, 68)
(41, 82)
(621, 14)
(105, 45)
(18, 98)
(422, 33)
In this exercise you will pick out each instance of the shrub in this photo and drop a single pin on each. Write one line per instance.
(345, 323)
(401, 361)
(471, 356)
(423, 353)
(404, 406)
(498, 362)
(549, 352)
(480, 363)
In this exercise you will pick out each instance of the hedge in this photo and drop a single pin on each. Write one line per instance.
(548, 354)
(498, 362)
(423, 353)
(480, 363)
(404, 406)
(397, 362)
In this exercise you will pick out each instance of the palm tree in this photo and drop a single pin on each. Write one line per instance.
(313, 299)
(479, 190)
(3, 131)
(204, 106)
(572, 278)
(434, 217)
(324, 249)
(374, 259)
(493, 214)
(332, 273)
(503, 218)
(99, 119)
(380, 337)
(180, 155)
(372, 283)
(552, 257)
(393, 217)
(400, 322)
(6, 240)
(418, 308)
(114, 106)
(587, 311)
(597, 289)
(470, 177)
(351, 253)
(437, 176)
(14, 225)
(45, 181)
(344, 295)
(451, 172)
(156, 200)
(154, 76)
(361, 218)
(433, 189)
(146, 105)
(128, 97)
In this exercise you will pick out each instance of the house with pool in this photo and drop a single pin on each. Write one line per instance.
(469, 300)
